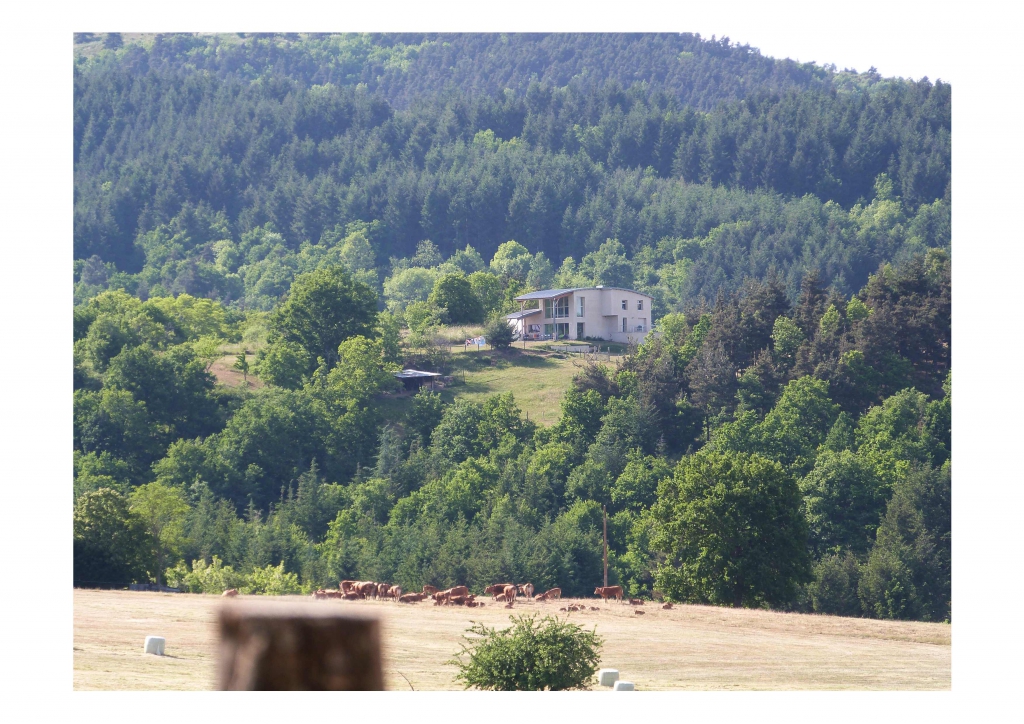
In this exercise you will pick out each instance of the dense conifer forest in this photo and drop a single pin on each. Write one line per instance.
(334, 203)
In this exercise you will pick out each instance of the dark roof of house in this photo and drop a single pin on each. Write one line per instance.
(412, 374)
(550, 293)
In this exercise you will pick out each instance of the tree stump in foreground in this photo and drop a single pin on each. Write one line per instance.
(270, 646)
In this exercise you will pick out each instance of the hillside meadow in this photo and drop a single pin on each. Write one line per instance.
(536, 375)
(686, 648)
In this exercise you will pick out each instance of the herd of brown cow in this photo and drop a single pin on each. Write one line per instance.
(456, 596)
(506, 593)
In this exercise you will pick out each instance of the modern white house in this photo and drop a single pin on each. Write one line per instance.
(604, 313)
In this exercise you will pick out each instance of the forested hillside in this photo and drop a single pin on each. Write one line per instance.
(186, 149)
(325, 206)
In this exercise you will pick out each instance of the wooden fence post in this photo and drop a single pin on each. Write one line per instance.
(270, 646)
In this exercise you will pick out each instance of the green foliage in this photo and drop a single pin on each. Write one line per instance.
(163, 509)
(283, 364)
(213, 577)
(907, 575)
(498, 332)
(242, 364)
(468, 260)
(271, 581)
(389, 332)
(834, 588)
(490, 290)
(512, 260)
(787, 337)
(608, 265)
(112, 547)
(637, 487)
(425, 413)
(94, 471)
(114, 422)
(732, 530)
(360, 373)
(843, 499)
(323, 309)
(453, 295)
(455, 437)
(696, 187)
(405, 286)
(529, 655)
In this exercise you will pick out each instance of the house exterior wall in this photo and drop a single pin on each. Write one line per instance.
(603, 315)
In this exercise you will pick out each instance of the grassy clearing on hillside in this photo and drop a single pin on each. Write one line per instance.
(537, 382)
(538, 375)
(689, 647)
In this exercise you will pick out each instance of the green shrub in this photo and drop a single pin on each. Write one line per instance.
(271, 581)
(204, 577)
(550, 655)
(834, 588)
(498, 332)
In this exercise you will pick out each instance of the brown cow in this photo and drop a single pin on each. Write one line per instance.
(638, 612)
(230, 593)
(458, 591)
(496, 589)
(365, 588)
(667, 606)
(526, 589)
(346, 586)
(607, 592)
(395, 592)
(510, 593)
(594, 608)
(429, 590)
(382, 590)
(552, 593)
(412, 597)
(352, 596)
(636, 602)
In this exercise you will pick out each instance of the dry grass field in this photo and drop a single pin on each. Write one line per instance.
(688, 647)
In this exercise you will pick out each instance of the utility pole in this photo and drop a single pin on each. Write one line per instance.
(604, 512)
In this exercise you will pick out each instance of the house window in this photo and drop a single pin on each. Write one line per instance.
(640, 304)
(623, 324)
(548, 314)
(549, 329)
(579, 330)
(561, 307)
(580, 312)
(562, 330)
(624, 303)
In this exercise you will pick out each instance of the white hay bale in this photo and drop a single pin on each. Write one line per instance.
(155, 645)
(623, 686)
(608, 677)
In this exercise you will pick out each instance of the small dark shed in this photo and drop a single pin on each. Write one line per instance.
(414, 379)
